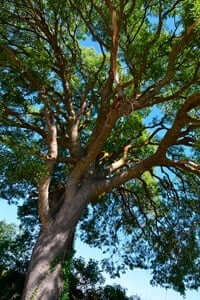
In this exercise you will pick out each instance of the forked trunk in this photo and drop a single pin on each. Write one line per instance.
(44, 278)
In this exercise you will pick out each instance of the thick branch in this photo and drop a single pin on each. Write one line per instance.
(181, 119)
(108, 184)
(43, 202)
(115, 42)
(96, 143)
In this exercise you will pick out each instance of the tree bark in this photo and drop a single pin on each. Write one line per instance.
(44, 277)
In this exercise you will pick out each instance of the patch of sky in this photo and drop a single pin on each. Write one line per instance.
(91, 43)
(171, 24)
(153, 122)
(153, 116)
(8, 212)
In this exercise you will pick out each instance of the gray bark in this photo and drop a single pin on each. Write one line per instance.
(44, 277)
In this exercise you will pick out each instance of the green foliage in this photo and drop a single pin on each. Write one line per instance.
(15, 247)
(66, 269)
(15, 250)
(7, 237)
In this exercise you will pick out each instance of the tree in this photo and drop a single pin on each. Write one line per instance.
(14, 252)
(15, 247)
(78, 139)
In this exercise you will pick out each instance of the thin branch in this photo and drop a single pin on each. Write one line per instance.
(23, 124)
(185, 165)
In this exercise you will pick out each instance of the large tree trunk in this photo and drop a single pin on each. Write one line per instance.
(44, 278)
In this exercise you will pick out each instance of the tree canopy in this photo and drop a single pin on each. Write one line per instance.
(100, 100)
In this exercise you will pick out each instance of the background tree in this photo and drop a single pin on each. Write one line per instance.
(15, 250)
(78, 140)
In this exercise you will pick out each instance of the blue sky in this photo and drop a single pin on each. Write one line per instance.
(136, 282)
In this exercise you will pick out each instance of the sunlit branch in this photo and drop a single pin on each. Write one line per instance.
(122, 161)
(186, 165)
